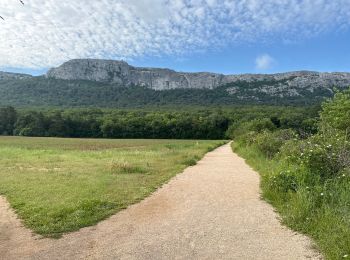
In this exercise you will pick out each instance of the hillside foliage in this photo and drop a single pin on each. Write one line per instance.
(48, 92)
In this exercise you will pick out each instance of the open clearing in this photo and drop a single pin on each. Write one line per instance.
(211, 211)
(60, 185)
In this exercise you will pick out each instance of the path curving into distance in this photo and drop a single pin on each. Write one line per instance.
(210, 211)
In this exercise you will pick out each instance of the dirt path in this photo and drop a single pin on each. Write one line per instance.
(211, 211)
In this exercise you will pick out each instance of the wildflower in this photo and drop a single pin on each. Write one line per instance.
(345, 256)
(321, 193)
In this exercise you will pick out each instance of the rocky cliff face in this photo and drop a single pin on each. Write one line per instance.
(120, 72)
(300, 83)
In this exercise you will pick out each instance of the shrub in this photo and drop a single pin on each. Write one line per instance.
(284, 181)
(336, 112)
(247, 138)
(308, 127)
(270, 143)
(257, 125)
(321, 155)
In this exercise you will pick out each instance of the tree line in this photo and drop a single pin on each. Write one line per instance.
(186, 123)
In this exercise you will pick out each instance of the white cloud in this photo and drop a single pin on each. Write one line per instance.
(44, 33)
(264, 62)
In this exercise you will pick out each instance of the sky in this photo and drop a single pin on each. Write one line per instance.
(223, 36)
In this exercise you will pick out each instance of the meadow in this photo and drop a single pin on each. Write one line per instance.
(59, 185)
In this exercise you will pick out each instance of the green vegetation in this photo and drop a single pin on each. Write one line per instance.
(179, 123)
(45, 92)
(306, 175)
(60, 185)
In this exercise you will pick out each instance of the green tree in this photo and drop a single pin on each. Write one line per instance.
(8, 117)
(31, 124)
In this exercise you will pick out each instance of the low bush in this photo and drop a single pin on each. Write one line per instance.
(270, 143)
(257, 125)
(336, 112)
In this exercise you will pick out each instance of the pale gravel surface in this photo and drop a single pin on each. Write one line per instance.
(211, 211)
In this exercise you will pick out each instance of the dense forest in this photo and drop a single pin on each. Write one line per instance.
(306, 177)
(45, 92)
(185, 123)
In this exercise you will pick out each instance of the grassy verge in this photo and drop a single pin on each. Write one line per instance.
(321, 210)
(61, 185)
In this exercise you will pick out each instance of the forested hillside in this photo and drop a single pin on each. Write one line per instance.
(48, 92)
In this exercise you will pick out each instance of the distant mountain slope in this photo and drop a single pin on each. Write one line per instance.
(40, 91)
(100, 83)
(9, 76)
(119, 72)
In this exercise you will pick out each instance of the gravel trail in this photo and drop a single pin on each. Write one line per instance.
(210, 211)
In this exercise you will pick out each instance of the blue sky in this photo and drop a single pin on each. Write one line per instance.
(329, 52)
(226, 36)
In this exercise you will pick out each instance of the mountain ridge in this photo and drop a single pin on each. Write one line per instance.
(11, 75)
(120, 72)
(101, 83)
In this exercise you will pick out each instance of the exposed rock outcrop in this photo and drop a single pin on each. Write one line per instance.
(120, 72)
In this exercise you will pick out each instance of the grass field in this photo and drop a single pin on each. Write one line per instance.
(60, 185)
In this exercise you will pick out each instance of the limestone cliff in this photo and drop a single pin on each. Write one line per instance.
(120, 72)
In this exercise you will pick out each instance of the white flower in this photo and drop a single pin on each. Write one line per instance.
(321, 193)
